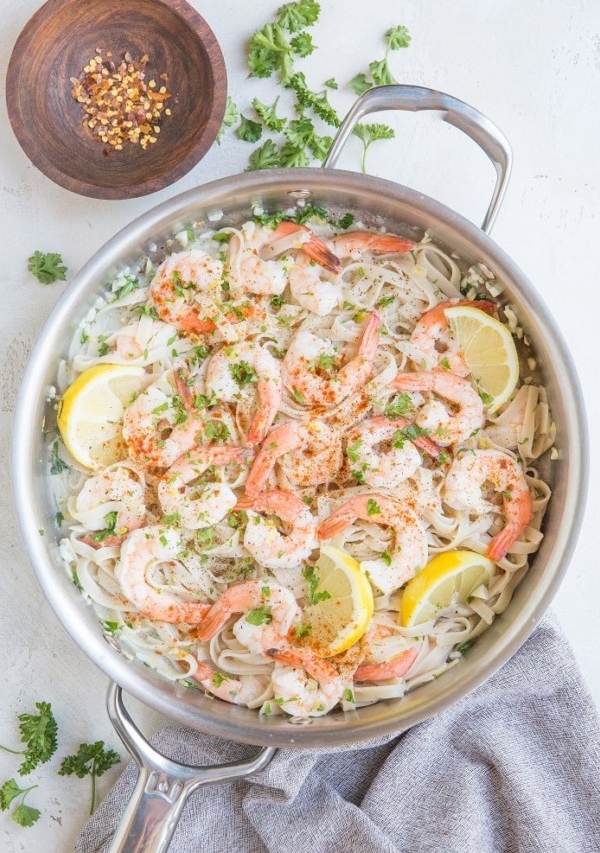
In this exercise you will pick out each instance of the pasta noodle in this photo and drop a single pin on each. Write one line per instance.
(270, 402)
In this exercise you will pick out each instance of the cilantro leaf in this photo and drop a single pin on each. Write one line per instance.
(91, 759)
(47, 267)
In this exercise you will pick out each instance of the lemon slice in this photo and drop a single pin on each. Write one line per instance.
(449, 578)
(91, 412)
(343, 603)
(489, 350)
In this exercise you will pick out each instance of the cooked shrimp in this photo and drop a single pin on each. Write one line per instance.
(433, 345)
(117, 494)
(291, 235)
(273, 610)
(154, 431)
(186, 289)
(395, 667)
(475, 473)
(409, 551)
(354, 243)
(262, 538)
(199, 505)
(142, 554)
(317, 459)
(234, 371)
(433, 416)
(307, 366)
(304, 685)
(381, 450)
(310, 287)
(239, 690)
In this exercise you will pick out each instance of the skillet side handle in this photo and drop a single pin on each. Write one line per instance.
(163, 785)
(466, 118)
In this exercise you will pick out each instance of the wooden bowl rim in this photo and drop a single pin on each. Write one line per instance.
(201, 29)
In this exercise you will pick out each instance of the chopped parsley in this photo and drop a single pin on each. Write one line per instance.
(260, 615)
(409, 433)
(399, 406)
(243, 374)
(312, 581)
(373, 507)
(57, 463)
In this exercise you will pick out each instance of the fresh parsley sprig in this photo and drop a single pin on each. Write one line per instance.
(47, 267)
(23, 815)
(38, 733)
(274, 51)
(370, 133)
(91, 759)
(379, 73)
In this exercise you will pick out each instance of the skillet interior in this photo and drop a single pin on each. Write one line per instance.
(377, 203)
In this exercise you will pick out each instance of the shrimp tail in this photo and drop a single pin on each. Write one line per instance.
(281, 440)
(316, 249)
(318, 668)
(338, 521)
(502, 541)
(388, 244)
(394, 668)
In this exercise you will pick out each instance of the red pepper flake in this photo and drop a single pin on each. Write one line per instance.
(119, 105)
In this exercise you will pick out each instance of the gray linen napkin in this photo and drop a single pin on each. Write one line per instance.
(515, 766)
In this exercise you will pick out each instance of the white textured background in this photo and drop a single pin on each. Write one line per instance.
(534, 69)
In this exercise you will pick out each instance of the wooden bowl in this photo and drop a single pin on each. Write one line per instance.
(55, 46)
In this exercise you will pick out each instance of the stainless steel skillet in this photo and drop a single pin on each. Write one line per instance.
(163, 786)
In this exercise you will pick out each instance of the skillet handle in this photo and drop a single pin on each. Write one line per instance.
(163, 785)
(466, 118)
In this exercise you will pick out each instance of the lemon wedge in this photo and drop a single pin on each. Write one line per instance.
(449, 578)
(342, 602)
(91, 412)
(489, 350)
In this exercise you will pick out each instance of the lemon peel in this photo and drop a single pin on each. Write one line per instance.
(344, 603)
(91, 412)
(489, 350)
(448, 578)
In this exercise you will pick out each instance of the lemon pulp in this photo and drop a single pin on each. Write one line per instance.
(448, 578)
(489, 350)
(91, 412)
(343, 603)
